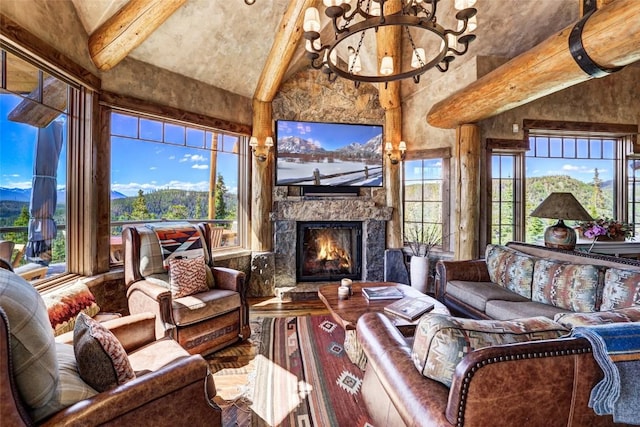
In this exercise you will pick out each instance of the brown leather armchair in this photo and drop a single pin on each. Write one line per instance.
(201, 323)
(175, 380)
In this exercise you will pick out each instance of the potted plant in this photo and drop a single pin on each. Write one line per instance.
(604, 229)
(421, 239)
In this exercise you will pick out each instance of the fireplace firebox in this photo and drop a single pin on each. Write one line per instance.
(328, 250)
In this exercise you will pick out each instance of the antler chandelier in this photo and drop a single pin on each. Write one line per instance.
(354, 29)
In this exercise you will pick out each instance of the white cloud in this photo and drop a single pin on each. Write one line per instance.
(152, 168)
(200, 167)
(571, 168)
(131, 189)
(172, 157)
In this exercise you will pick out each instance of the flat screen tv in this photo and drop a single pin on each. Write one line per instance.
(328, 154)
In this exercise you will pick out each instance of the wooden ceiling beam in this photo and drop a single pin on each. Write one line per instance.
(611, 37)
(284, 46)
(127, 29)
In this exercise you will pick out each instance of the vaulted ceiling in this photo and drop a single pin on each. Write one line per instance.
(225, 43)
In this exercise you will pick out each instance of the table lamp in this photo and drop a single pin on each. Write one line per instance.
(561, 206)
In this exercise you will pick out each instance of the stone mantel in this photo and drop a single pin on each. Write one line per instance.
(329, 209)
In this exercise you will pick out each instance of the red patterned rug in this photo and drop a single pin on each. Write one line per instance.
(300, 376)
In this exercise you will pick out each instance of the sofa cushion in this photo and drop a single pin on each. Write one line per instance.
(441, 341)
(32, 342)
(102, 361)
(570, 286)
(64, 304)
(193, 309)
(569, 320)
(621, 289)
(187, 276)
(70, 388)
(510, 269)
(507, 310)
(476, 294)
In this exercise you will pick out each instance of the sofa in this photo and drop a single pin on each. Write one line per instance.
(70, 380)
(523, 280)
(466, 372)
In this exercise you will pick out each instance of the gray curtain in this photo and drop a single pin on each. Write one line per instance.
(42, 226)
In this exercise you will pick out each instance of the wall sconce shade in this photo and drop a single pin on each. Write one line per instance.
(561, 206)
(393, 157)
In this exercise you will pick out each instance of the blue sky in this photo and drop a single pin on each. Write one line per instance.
(135, 164)
(329, 136)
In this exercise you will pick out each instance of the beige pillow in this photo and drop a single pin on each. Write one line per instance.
(102, 361)
(187, 276)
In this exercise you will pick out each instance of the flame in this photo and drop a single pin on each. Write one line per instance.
(329, 250)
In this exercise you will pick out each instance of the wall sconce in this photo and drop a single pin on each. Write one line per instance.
(395, 159)
(260, 152)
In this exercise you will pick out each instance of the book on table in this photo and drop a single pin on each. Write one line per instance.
(409, 308)
(381, 292)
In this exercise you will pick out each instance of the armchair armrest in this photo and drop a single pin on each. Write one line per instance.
(230, 279)
(156, 398)
(133, 332)
(145, 296)
(469, 271)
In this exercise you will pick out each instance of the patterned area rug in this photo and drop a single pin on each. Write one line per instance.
(299, 376)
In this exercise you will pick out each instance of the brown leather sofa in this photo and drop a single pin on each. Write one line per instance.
(171, 395)
(201, 323)
(543, 383)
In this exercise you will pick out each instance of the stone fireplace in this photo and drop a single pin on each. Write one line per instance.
(336, 213)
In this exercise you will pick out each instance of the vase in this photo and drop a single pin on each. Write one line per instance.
(419, 271)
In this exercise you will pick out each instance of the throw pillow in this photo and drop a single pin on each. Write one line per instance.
(102, 361)
(621, 289)
(441, 341)
(623, 315)
(64, 304)
(187, 276)
(570, 286)
(33, 348)
(510, 269)
(70, 388)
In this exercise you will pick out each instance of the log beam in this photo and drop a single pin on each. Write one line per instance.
(611, 37)
(127, 29)
(467, 210)
(262, 180)
(54, 93)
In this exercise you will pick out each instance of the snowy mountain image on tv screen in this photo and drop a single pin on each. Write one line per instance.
(328, 154)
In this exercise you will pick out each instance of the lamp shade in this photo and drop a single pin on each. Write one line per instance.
(561, 206)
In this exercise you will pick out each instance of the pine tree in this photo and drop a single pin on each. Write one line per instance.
(221, 205)
(177, 212)
(140, 210)
(598, 199)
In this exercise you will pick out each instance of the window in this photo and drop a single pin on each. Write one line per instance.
(34, 107)
(166, 170)
(426, 195)
(586, 164)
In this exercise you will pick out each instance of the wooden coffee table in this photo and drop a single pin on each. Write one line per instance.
(347, 312)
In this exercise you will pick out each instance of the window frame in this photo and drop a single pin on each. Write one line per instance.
(432, 154)
(626, 135)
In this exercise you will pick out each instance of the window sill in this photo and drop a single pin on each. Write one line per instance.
(230, 254)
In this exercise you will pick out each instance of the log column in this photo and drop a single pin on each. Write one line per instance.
(261, 186)
(467, 191)
(388, 40)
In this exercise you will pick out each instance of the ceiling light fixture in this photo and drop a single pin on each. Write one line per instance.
(341, 56)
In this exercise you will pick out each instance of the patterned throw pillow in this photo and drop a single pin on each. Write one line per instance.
(510, 269)
(621, 289)
(187, 276)
(623, 315)
(570, 286)
(102, 361)
(441, 341)
(64, 304)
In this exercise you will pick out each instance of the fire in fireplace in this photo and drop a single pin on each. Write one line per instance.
(329, 250)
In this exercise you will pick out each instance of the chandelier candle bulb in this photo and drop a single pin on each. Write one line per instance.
(386, 66)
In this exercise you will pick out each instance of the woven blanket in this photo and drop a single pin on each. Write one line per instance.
(616, 348)
(178, 240)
